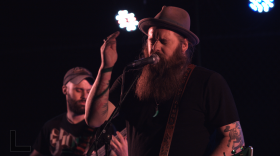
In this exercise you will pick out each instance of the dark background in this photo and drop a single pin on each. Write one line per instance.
(41, 40)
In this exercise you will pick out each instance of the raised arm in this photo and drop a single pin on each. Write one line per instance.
(232, 139)
(98, 108)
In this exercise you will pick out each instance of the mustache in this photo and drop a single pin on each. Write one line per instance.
(83, 100)
(158, 53)
(161, 56)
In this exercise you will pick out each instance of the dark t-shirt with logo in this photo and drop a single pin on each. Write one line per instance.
(58, 137)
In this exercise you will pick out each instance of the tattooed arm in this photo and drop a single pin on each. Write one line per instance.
(232, 139)
(98, 107)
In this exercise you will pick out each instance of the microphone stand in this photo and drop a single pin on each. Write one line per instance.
(103, 131)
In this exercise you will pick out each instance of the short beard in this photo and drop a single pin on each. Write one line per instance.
(160, 82)
(75, 107)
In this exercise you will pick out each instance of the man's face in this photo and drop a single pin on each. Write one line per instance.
(160, 81)
(76, 96)
(162, 41)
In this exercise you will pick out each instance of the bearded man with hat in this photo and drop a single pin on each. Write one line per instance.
(175, 107)
(68, 133)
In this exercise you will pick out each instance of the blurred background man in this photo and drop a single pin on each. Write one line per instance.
(68, 133)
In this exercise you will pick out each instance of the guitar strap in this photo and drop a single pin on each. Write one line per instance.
(170, 126)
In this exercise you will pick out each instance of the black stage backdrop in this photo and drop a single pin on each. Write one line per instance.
(41, 40)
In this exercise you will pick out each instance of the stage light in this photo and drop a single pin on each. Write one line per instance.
(261, 5)
(127, 20)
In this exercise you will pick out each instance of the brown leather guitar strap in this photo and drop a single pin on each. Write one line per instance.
(170, 126)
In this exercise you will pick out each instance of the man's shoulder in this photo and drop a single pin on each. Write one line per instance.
(133, 71)
(206, 76)
(203, 72)
(58, 117)
(55, 120)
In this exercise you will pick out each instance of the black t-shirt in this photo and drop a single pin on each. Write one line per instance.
(58, 137)
(206, 105)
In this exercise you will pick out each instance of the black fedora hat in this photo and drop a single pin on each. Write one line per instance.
(171, 18)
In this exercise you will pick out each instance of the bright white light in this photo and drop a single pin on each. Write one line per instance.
(260, 8)
(265, 7)
(118, 17)
(254, 7)
(126, 20)
(130, 15)
(122, 12)
(130, 28)
(261, 5)
(269, 3)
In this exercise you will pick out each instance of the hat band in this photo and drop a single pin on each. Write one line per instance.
(171, 21)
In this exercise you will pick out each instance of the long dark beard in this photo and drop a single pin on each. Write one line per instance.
(75, 107)
(160, 82)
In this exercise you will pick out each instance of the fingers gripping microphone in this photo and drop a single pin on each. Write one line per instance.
(153, 59)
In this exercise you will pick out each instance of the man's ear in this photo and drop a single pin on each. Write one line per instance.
(185, 45)
(64, 89)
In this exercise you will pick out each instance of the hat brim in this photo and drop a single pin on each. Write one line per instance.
(79, 78)
(146, 23)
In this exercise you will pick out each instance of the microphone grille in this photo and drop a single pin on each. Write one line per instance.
(155, 58)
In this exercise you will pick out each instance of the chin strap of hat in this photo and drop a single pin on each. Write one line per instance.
(170, 126)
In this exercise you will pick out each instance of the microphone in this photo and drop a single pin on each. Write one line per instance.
(153, 59)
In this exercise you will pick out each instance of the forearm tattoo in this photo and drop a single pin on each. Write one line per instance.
(104, 92)
(103, 96)
(106, 108)
(235, 135)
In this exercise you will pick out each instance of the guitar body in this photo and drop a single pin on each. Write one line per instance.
(246, 152)
(101, 151)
